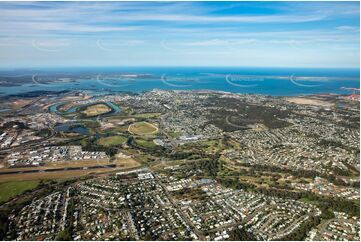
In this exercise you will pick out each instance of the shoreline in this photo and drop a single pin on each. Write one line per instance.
(38, 93)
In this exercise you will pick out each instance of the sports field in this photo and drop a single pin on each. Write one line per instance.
(11, 189)
(143, 128)
(112, 140)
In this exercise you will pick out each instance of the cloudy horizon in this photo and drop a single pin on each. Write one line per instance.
(268, 34)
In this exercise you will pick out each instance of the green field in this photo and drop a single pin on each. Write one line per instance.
(120, 129)
(174, 134)
(112, 140)
(145, 143)
(9, 190)
(142, 128)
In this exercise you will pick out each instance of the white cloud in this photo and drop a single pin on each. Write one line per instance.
(48, 43)
(34, 28)
(220, 42)
(181, 28)
(224, 19)
(348, 28)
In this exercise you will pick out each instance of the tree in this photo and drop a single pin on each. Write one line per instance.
(64, 235)
(240, 234)
(130, 140)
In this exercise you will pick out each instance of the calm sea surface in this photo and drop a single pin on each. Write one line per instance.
(270, 81)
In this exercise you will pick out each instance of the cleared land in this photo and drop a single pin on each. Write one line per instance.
(309, 101)
(21, 103)
(11, 189)
(61, 175)
(143, 128)
(112, 140)
(126, 163)
(97, 109)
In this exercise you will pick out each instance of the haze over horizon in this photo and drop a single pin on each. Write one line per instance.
(249, 34)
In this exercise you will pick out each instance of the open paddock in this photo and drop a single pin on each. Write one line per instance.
(143, 128)
(96, 110)
(11, 189)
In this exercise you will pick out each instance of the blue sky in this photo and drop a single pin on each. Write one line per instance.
(264, 34)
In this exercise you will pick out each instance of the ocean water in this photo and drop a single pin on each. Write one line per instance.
(268, 81)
